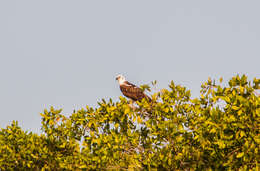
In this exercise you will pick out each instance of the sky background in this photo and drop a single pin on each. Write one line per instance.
(67, 54)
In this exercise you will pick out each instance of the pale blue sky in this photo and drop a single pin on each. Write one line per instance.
(67, 53)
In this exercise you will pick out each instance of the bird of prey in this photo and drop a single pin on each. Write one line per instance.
(130, 90)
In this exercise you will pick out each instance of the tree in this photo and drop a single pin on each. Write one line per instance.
(218, 130)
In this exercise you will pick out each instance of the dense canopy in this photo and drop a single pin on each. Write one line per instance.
(218, 130)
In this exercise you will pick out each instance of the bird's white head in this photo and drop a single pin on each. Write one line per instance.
(121, 79)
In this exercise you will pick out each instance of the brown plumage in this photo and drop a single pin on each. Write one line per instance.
(130, 90)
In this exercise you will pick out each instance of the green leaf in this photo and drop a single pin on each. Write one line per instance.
(239, 155)
(235, 107)
(221, 79)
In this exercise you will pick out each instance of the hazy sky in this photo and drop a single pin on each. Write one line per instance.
(68, 53)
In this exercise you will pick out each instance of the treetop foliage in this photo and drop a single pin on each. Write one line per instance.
(217, 131)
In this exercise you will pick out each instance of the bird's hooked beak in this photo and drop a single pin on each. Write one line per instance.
(116, 78)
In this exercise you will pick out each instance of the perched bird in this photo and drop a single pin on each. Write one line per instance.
(130, 90)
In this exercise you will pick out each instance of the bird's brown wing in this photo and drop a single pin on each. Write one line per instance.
(133, 92)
